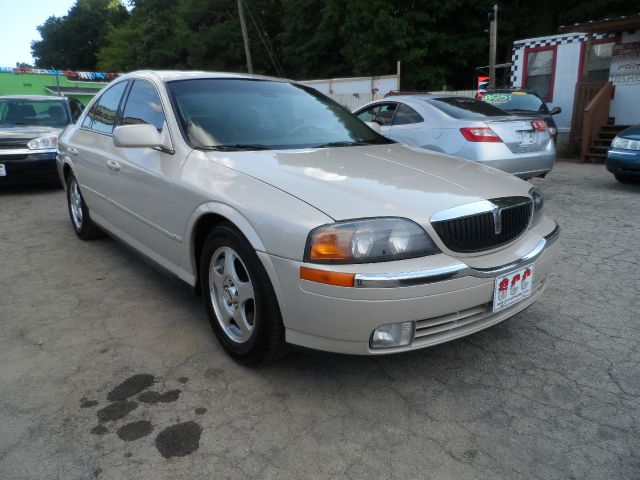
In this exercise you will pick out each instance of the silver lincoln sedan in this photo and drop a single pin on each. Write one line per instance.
(296, 221)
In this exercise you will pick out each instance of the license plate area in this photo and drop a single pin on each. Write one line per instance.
(512, 287)
(526, 137)
(3, 170)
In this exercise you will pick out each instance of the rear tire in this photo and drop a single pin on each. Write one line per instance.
(240, 301)
(79, 212)
(626, 178)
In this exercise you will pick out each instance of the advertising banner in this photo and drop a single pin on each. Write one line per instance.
(625, 64)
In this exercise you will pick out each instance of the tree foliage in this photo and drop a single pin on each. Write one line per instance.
(438, 42)
(73, 41)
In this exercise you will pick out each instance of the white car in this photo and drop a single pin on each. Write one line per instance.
(297, 222)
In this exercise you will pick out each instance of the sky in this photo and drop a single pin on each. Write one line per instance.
(20, 19)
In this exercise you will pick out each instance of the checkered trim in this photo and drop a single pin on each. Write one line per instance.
(558, 40)
(520, 45)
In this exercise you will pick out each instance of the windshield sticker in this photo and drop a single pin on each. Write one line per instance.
(497, 97)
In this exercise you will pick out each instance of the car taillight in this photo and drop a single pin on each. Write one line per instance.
(480, 134)
(539, 125)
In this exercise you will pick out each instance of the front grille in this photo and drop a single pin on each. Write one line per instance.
(477, 232)
(13, 144)
(4, 158)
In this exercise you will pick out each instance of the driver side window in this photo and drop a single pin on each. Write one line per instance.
(380, 113)
(369, 114)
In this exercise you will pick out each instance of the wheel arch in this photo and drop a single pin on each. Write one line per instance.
(203, 220)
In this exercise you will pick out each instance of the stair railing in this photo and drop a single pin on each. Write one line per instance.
(594, 117)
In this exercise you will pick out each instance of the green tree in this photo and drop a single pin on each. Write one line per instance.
(72, 41)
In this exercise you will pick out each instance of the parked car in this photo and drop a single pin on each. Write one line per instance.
(29, 129)
(623, 158)
(524, 103)
(297, 222)
(467, 128)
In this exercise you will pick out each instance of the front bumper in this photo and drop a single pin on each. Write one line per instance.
(446, 299)
(28, 167)
(623, 162)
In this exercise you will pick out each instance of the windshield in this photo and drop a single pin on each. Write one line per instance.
(48, 113)
(465, 107)
(516, 101)
(247, 114)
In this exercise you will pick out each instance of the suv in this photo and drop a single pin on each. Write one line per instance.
(524, 103)
(29, 129)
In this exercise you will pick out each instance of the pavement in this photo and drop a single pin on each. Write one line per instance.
(109, 370)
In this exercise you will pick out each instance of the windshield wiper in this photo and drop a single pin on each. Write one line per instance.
(342, 144)
(236, 147)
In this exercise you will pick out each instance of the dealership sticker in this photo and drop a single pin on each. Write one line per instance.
(512, 287)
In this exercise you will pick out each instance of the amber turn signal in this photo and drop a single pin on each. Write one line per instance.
(331, 246)
(338, 279)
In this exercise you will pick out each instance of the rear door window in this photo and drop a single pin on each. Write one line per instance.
(406, 115)
(103, 113)
(143, 106)
(76, 109)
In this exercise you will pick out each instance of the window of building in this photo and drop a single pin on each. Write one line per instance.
(599, 62)
(540, 68)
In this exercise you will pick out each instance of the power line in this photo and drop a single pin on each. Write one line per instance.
(268, 48)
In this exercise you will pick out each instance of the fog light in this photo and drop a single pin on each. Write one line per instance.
(392, 335)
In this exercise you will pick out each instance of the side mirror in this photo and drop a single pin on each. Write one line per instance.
(375, 126)
(140, 136)
(555, 111)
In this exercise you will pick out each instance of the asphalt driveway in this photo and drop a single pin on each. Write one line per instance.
(109, 370)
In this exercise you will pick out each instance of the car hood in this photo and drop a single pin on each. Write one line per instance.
(632, 133)
(26, 132)
(374, 181)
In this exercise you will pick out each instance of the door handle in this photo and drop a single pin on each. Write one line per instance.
(72, 150)
(113, 165)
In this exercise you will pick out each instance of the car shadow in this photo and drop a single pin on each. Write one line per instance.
(30, 189)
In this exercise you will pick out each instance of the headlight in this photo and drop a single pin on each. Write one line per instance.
(538, 204)
(625, 143)
(368, 240)
(42, 143)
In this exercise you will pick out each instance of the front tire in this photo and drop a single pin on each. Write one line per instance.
(241, 304)
(79, 212)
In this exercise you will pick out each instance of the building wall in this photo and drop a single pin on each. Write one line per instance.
(625, 106)
(355, 92)
(33, 84)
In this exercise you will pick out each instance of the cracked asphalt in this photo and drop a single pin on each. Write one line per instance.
(553, 393)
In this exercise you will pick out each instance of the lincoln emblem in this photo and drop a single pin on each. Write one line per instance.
(497, 219)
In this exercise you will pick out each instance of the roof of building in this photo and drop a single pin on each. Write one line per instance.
(615, 24)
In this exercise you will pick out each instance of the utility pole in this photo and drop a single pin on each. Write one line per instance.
(493, 40)
(245, 37)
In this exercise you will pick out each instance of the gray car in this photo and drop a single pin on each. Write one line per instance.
(298, 223)
(467, 128)
(29, 129)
